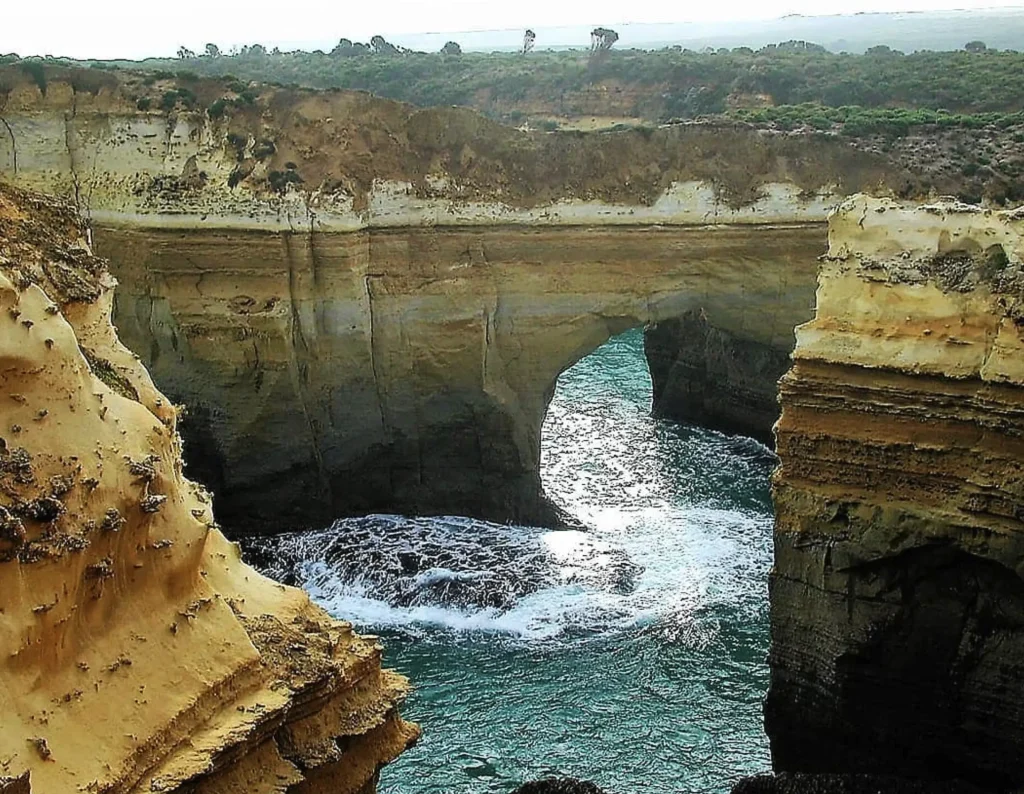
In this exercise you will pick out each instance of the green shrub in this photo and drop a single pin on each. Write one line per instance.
(217, 109)
(187, 97)
(36, 71)
(279, 180)
(264, 149)
(143, 103)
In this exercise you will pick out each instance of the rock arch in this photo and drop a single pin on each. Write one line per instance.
(410, 369)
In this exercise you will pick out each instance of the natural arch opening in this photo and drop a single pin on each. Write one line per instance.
(691, 508)
(644, 635)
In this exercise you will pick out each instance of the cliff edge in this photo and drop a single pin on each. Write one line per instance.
(366, 306)
(897, 599)
(137, 651)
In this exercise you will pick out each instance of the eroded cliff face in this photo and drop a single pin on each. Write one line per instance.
(299, 160)
(706, 375)
(411, 370)
(366, 306)
(137, 652)
(897, 599)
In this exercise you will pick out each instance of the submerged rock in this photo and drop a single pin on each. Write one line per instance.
(565, 785)
(452, 562)
(848, 784)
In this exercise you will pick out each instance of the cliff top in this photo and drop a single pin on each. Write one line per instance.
(275, 140)
(955, 246)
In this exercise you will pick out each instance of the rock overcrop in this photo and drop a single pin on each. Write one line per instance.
(137, 651)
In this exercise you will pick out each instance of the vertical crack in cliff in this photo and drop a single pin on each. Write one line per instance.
(488, 336)
(14, 144)
(298, 360)
(367, 281)
(317, 270)
(71, 148)
(169, 127)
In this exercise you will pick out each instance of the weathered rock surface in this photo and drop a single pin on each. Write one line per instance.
(137, 652)
(714, 378)
(897, 598)
(848, 784)
(382, 329)
(411, 370)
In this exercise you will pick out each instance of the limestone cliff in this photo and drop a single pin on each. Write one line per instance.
(137, 652)
(365, 306)
(144, 151)
(410, 370)
(709, 376)
(897, 599)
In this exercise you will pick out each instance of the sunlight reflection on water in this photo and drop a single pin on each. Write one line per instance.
(631, 654)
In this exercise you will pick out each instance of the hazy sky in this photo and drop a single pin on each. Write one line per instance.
(137, 28)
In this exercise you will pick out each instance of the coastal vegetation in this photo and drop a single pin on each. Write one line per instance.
(957, 112)
(655, 85)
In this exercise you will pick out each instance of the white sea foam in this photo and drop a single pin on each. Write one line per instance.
(667, 542)
(633, 569)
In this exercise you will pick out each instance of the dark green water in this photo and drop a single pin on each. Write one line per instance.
(632, 654)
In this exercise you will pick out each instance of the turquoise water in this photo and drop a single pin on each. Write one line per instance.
(632, 654)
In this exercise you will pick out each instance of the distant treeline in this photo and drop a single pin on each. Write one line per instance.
(661, 84)
(658, 85)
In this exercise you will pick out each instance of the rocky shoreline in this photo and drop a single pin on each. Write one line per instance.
(391, 342)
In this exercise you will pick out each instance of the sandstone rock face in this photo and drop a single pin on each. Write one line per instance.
(711, 377)
(137, 652)
(897, 596)
(366, 307)
(411, 370)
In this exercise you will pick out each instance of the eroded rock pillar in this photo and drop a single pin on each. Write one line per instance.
(897, 598)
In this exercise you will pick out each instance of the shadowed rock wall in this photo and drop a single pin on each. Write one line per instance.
(711, 377)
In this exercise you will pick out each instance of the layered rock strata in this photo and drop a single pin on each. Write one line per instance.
(137, 652)
(897, 598)
(366, 306)
(411, 370)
